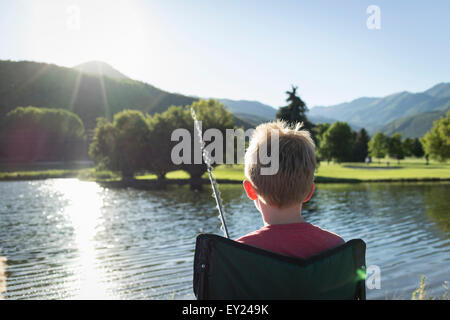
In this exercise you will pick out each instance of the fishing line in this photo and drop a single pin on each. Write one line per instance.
(207, 161)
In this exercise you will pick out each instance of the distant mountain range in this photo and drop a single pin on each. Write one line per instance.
(253, 112)
(95, 89)
(411, 114)
(413, 126)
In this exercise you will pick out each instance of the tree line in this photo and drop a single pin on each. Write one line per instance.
(134, 141)
(338, 142)
(34, 134)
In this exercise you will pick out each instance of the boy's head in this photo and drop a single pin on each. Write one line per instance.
(293, 182)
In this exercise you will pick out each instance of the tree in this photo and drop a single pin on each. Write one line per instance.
(318, 131)
(134, 142)
(412, 148)
(158, 151)
(120, 146)
(417, 150)
(102, 148)
(378, 145)
(337, 142)
(436, 142)
(295, 111)
(361, 147)
(395, 147)
(32, 134)
(213, 115)
(408, 146)
(317, 134)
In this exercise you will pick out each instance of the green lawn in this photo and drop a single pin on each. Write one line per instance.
(352, 172)
(38, 175)
(407, 169)
(235, 172)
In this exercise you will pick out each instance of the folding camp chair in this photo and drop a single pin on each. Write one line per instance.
(225, 269)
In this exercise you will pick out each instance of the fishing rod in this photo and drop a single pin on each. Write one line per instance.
(207, 161)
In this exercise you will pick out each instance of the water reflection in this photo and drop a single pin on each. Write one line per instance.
(2, 276)
(67, 239)
(437, 206)
(83, 214)
(394, 221)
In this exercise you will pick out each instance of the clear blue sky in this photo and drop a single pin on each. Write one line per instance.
(242, 49)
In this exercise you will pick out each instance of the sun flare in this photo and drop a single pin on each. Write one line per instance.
(83, 210)
(113, 32)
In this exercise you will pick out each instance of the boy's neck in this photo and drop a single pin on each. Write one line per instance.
(273, 215)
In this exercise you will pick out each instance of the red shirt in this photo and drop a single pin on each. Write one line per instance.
(297, 239)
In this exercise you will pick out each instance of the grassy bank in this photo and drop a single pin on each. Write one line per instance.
(407, 170)
(38, 175)
(11, 171)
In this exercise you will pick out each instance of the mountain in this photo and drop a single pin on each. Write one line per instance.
(413, 126)
(341, 111)
(100, 68)
(320, 119)
(90, 96)
(91, 90)
(441, 90)
(250, 107)
(374, 113)
(253, 112)
(95, 89)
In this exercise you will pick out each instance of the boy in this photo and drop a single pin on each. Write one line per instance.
(279, 197)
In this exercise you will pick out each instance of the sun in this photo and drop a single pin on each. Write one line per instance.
(70, 33)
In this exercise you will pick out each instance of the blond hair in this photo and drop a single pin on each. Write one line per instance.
(297, 162)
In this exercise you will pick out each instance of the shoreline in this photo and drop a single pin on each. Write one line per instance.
(409, 171)
(24, 176)
(152, 183)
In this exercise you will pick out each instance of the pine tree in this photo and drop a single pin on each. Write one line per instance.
(361, 148)
(295, 111)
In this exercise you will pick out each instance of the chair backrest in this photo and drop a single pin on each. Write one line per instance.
(226, 269)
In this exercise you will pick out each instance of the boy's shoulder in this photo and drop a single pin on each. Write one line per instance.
(299, 239)
(284, 230)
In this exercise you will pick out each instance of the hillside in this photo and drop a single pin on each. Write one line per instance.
(253, 112)
(100, 68)
(375, 113)
(90, 96)
(341, 111)
(413, 126)
(95, 89)
(441, 90)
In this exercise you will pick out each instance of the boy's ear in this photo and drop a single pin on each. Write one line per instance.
(251, 193)
(310, 193)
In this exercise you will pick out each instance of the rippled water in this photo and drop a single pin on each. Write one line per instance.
(68, 239)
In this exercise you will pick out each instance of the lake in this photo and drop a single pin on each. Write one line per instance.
(70, 239)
